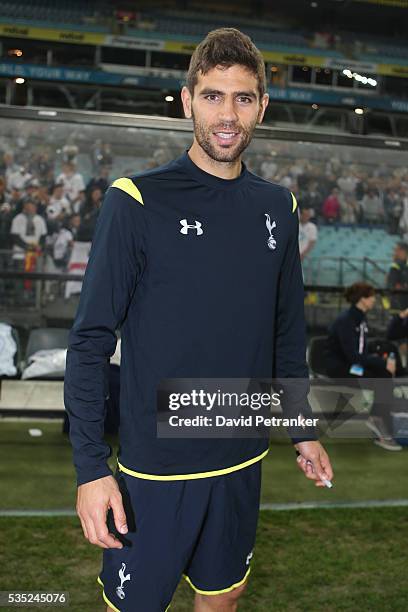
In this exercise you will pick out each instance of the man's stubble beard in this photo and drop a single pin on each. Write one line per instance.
(203, 137)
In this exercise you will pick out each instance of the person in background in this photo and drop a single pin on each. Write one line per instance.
(73, 183)
(403, 220)
(373, 207)
(347, 182)
(42, 166)
(398, 326)
(331, 207)
(28, 231)
(393, 210)
(15, 199)
(8, 165)
(74, 224)
(89, 214)
(3, 194)
(32, 193)
(58, 201)
(307, 232)
(347, 357)
(19, 178)
(398, 331)
(5, 237)
(101, 180)
(312, 198)
(397, 278)
(350, 211)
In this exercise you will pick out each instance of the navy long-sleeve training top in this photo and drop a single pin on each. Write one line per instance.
(203, 277)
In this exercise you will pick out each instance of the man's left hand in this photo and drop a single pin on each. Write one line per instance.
(314, 462)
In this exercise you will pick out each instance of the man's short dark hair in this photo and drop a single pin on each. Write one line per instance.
(356, 291)
(226, 47)
(29, 200)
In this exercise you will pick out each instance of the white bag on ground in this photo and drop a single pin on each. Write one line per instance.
(50, 361)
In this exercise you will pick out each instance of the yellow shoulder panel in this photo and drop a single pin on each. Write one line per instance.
(294, 202)
(126, 185)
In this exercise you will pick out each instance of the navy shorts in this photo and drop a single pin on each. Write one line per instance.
(203, 529)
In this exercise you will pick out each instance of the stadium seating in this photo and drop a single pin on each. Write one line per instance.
(315, 356)
(368, 253)
(46, 338)
(50, 11)
(94, 16)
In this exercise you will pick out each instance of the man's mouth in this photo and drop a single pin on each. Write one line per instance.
(226, 136)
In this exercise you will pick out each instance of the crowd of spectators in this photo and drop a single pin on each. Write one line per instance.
(349, 193)
(46, 206)
(44, 211)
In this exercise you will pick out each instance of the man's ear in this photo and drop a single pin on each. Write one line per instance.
(264, 103)
(186, 100)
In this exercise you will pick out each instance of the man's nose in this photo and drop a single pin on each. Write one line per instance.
(228, 110)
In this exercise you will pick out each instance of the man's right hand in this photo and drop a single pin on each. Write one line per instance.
(93, 502)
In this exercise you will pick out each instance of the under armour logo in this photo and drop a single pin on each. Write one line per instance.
(119, 589)
(185, 227)
(270, 226)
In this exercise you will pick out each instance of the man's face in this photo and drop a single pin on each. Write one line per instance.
(30, 208)
(305, 215)
(96, 195)
(76, 221)
(69, 168)
(369, 301)
(225, 109)
(399, 254)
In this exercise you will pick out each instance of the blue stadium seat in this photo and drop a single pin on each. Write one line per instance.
(353, 244)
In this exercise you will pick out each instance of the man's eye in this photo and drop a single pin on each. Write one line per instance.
(211, 97)
(244, 99)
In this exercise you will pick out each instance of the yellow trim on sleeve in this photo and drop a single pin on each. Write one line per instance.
(231, 588)
(128, 186)
(196, 475)
(110, 604)
(294, 202)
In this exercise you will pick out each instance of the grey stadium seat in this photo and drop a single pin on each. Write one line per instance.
(45, 338)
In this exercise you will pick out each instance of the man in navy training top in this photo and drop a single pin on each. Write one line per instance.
(198, 264)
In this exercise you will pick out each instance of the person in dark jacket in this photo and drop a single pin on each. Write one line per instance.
(398, 326)
(397, 277)
(347, 357)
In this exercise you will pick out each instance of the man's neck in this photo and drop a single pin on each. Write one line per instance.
(225, 170)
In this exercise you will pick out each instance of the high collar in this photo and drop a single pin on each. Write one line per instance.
(210, 179)
(358, 315)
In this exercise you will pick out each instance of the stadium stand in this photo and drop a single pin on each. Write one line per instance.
(33, 165)
(53, 12)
